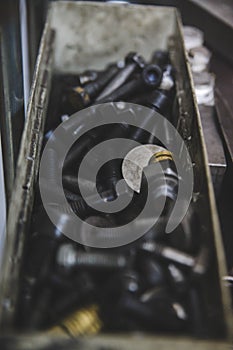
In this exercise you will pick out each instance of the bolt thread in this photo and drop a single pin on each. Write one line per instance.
(69, 257)
(100, 260)
(85, 321)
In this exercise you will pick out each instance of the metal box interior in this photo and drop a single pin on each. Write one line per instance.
(77, 36)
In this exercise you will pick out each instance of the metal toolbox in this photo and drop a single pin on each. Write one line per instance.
(78, 36)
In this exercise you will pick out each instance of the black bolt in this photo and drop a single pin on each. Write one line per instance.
(152, 272)
(68, 257)
(177, 279)
(133, 62)
(165, 184)
(108, 177)
(141, 134)
(161, 314)
(88, 77)
(80, 97)
(195, 264)
(157, 100)
(160, 57)
(149, 79)
(83, 210)
(169, 254)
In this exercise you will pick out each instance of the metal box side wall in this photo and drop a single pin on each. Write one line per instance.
(190, 127)
(95, 34)
(26, 175)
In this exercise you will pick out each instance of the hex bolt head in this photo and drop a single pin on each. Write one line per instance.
(152, 75)
(80, 97)
(135, 58)
(149, 79)
(133, 62)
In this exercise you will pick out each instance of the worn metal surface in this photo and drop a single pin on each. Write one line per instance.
(214, 146)
(74, 20)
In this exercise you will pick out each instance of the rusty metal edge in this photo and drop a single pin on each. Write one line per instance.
(27, 167)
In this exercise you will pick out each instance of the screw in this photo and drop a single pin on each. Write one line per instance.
(83, 210)
(68, 257)
(108, 177)
(88, 77)
(197, 264)
(85, 321)
(133, 62)
(169, 189)
(80, 97)
(150, 78)
(157, 100)
(162, 313)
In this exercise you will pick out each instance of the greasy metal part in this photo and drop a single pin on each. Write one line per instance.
(80, 96)
(149, 79)
(69, 257)
(158, 100)
(85, 321)
(169, 253)
(176, 256)
(160, 57)
(133, 61)
(88, 77)
(188, 123)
